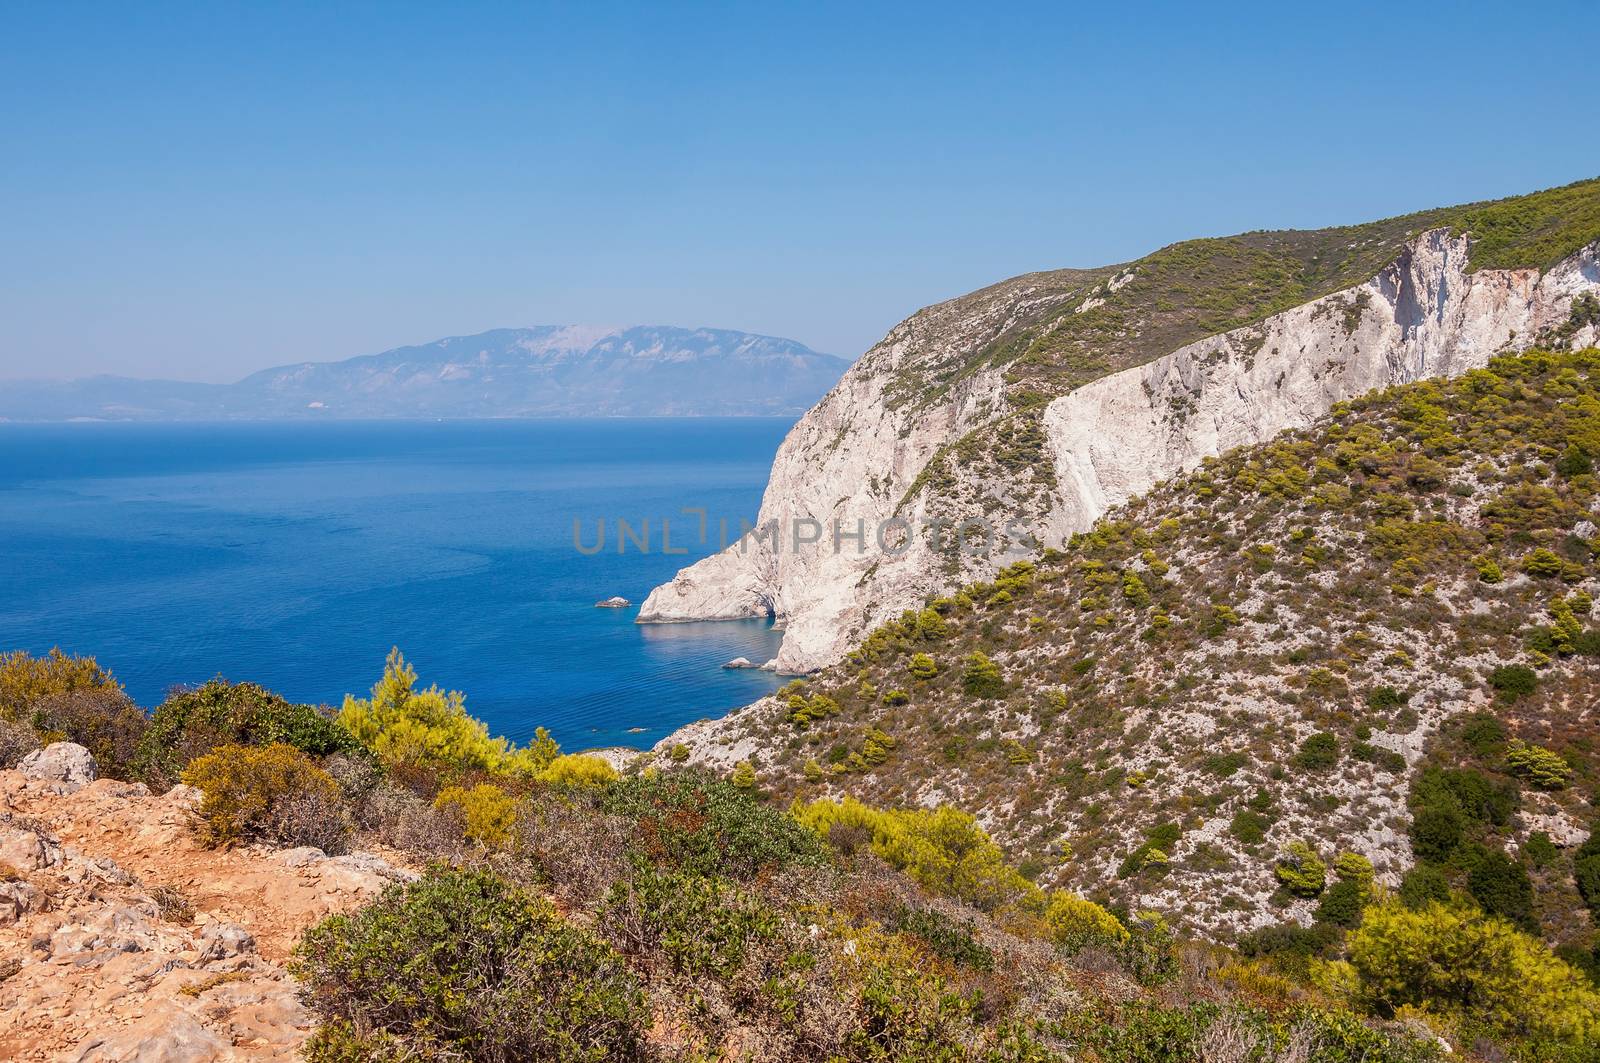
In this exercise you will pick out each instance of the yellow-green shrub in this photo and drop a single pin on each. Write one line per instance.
(25, 680)
(1456, 961)
(1075, 921)
(578, 769)
(942, 848)
(488, 813)
(275, 792)
(431, 728)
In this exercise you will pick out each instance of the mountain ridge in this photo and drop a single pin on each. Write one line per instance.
(538, 371)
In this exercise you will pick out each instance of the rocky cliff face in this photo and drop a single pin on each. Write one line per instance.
(970, 444)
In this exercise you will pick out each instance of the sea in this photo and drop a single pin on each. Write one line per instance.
(296, 556)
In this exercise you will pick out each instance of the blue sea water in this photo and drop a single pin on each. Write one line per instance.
(297, 555)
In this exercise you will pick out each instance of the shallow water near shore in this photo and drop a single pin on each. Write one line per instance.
(297, 555)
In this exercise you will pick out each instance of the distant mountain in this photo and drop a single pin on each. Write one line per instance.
(545, 371)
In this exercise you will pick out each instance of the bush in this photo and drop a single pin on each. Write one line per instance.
(488, 814)
(1586, 871)
(103, 720)
(980, 676)
(461, 965)
(1436, 832)
(192, 723)
(1341, 904)
(922, 666)
(430, 729)
(1513, 681)
(1075, 922)
(744, 775)
(1301, 870)
(272, 792)
(942, 848)
(1460, 963)
(1423, 885)
(702, 925)
(26, 680)
(689, 820)
(943, 936)
(578, 769)
(1501, 887)
(1542, 767)
(1542, 562)
(1320, 752)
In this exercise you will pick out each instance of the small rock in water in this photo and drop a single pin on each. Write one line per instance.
(739, 662)
(615, 602)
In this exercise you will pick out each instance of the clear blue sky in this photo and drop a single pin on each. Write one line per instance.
(198, 191)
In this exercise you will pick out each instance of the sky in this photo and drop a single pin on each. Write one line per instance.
(199, 191)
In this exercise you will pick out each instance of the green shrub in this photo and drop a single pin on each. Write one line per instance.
(980, 677)
(943, 936)
(744, 775)
(1301, 870)
(1436, 832)
(689, 820)
(1542, 767)
(1513, 681)
(921, 666)
(1586, 871)
(193, 722)
(1342, 903)
(702, 925)
(679, 753)
(1423, 885)
(1320, 752)
(461, 965)
(1249, 826)
(1501, 887)
(274, 792)
(1542, 562)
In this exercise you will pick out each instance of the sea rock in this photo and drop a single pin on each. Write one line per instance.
(739, 662)
(614, 602)
(60, 762)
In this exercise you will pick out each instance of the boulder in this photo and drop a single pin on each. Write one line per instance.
(740, 662)
(614, 602)
(60, 762)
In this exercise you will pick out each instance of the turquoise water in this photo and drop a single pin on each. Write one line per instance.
(296, 556)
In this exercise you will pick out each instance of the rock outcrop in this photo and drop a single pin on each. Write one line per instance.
(66, 763)
(865, 458)
(121, 939)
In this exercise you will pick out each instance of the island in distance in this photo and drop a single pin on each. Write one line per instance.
(544, 371)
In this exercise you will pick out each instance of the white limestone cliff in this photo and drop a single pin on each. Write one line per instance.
(855, 455)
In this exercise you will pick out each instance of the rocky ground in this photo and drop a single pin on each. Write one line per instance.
(123, 938)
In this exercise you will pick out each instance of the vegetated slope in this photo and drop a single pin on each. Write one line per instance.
(571, 913)
(1084, 324)
(1049, 397)
(547, 371)
(1266, 650)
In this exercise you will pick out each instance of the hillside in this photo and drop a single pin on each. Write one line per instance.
(1047, 399)
(548, 371)
(1303, 640)
(558, 911)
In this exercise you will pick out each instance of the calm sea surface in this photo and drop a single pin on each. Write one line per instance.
(296, 556)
